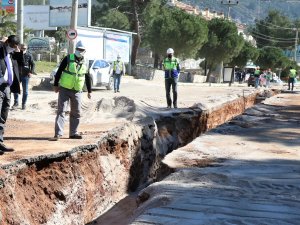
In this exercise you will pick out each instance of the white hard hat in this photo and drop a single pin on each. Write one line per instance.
(170, 51)
(80, 45)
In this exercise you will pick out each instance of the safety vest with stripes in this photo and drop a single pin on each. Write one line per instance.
(72, 77)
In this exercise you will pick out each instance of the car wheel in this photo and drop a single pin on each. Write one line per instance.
(110, 86)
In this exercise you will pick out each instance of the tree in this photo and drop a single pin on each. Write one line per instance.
(272, 57)
(223, 44)
(247, 53)
(275, 30)
(132, 9)
(114, 19)
(173, 28)
(60, 36)
(7, 24)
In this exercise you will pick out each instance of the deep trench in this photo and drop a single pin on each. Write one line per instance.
(183, 127)
(80, 185)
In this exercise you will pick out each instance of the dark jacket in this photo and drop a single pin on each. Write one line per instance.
(27, 64)
(15, 87)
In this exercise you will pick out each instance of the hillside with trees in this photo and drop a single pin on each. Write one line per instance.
(247, 11)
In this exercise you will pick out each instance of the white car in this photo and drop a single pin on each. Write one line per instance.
(100, 72)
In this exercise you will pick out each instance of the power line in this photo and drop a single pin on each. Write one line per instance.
(275, 38)
(269, 39)
(258, 22)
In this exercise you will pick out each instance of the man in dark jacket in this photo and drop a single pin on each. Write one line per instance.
(26, 69)
(9, 82)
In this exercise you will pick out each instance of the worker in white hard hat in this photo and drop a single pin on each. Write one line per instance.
(70, 78)
(118, 71)
(172, 70)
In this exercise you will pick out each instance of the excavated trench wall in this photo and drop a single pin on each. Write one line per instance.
(77, 186)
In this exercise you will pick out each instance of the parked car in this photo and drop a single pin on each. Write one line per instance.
(251, 80)
(100, 72)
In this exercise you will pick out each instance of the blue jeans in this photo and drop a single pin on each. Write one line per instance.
(291, 81)
(24, 81)
(117, 81)
(256, 82)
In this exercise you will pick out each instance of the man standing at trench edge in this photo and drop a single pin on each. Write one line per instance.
(172, 71)
(69, 81)
(9, 81)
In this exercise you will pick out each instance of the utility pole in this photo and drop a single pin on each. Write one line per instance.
(20, 19)
(229, 4)
(73, 24)
(296, 44)
(43, 31)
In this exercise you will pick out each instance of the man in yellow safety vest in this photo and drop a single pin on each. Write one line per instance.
(118, 71)
(292, 77)
(172, 70)
(70, 78)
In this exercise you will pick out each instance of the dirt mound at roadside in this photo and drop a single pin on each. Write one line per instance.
(115, 108)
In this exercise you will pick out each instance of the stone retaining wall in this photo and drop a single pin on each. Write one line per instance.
(149, 73)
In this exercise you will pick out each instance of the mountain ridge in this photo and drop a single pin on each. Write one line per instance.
(247, 11)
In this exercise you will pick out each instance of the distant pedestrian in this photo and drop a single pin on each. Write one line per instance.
(292, 77)
(26, 70)
(9, 82)
(118, 71)
(239, 76)
(257, 74)
(171, 67)
(268, 77)
(69, 81)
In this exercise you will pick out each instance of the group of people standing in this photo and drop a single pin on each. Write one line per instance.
(72, 74)
(16, 66)
(263, 77)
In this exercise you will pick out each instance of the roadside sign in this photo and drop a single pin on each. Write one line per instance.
(71, 34)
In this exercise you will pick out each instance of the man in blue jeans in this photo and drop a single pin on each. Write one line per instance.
(257, 74)
(26, 70)
(118, 71)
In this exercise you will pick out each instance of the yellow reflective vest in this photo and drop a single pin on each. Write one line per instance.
(293, 73)
(72, 77)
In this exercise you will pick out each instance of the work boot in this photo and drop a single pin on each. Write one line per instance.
(15, 105)
(175, 106)
(23, 107)
(4, 148)
(55, 138)
(75, 136)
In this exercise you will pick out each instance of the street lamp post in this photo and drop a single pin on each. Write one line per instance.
(229, 4)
